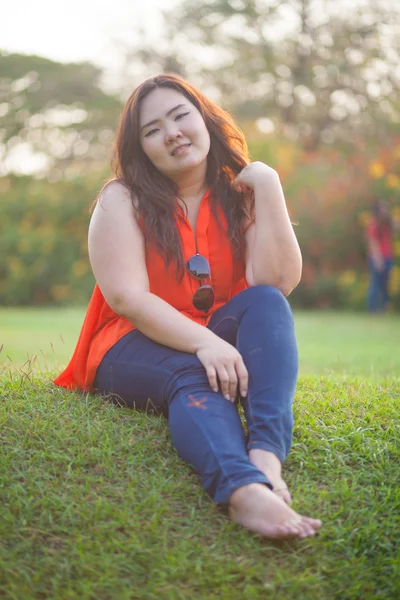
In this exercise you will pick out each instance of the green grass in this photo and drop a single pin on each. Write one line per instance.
(96, 504)
(329, 342)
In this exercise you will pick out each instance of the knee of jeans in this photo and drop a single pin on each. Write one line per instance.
(266, 294)
(267, 299)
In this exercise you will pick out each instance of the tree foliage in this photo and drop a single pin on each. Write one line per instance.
(329, 194)
(43, 226)
(320, 70)
(43, 240)
(54, 111)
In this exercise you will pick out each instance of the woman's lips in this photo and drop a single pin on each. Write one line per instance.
(180, 149)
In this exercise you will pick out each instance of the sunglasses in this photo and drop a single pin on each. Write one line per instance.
(199, 267)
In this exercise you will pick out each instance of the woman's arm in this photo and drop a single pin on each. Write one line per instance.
(117, 256)
(273, 253)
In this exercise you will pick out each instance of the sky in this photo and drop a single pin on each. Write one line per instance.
(100, 31)
(76, 30)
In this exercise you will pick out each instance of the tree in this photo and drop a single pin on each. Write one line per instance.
(319, 70)
(56, 114)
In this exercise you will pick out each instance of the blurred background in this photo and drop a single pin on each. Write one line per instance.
(313, 83)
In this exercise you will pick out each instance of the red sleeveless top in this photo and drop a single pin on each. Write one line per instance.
(383, 237)
(102, 327)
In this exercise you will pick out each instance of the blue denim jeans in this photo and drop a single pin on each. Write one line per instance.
(206, 429)
(378, 292)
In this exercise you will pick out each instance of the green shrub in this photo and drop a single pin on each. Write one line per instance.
(43, 241)
(43, 225)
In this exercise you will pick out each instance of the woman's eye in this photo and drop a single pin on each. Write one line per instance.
(181, 115)
(149, 133)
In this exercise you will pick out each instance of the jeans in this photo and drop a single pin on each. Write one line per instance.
(206, 429)
(378, 292)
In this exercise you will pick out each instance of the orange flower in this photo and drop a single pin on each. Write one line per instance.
(347, 278)
(394, 283)
(376, 170)
(396, 152)
(59, 292)
(392, 181)
(79, 268)
(364, 217)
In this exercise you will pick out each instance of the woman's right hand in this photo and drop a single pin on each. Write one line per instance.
(222, 361)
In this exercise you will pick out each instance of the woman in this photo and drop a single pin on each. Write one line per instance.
(193, 254)
(380, 255)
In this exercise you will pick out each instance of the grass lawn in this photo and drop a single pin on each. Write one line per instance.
(96, 504)
(338, 343)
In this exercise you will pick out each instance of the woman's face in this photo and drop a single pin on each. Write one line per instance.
(172, 133)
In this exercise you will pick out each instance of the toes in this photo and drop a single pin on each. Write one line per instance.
(305, 529)
(314, 523)
(306, 533)
(287, 531)
(285, 496)
(296, 528)
(293, 528)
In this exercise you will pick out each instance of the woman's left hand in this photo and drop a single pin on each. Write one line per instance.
(253, 174)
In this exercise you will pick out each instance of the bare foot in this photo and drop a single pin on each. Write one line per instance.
(257, 508)
(271, 466)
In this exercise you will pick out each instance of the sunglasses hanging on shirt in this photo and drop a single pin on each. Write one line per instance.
(199, 267)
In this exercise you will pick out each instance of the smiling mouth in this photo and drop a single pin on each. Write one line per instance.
(180, 149)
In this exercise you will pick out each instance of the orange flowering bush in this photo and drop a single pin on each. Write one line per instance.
(329, 194)
(43, 226)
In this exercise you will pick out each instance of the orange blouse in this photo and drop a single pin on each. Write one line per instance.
(102, 327)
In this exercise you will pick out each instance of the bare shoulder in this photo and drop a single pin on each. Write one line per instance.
(117, 247)
(116, 196)
(115, 212)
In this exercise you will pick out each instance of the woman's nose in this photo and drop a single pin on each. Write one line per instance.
(172, 133)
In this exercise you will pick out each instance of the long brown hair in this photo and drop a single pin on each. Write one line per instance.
(154, 195)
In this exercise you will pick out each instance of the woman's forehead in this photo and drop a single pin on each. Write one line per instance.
(158, 102)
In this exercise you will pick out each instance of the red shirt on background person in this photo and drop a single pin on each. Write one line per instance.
(380, 233)
(380, 255)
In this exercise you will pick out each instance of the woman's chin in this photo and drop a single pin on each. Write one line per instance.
(186, 165)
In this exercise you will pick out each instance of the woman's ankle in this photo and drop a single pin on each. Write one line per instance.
(242, 494)
(265, 460)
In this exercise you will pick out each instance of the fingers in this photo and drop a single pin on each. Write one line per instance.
(212, 378)
(243, 377)
(223, 376)
(233, 382)
(229, 376)
(227, 370)
(238, 186)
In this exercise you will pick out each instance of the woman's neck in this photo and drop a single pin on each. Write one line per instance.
(192, 193)
(192, 185)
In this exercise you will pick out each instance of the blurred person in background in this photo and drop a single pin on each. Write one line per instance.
(193, 253)
(380, 241)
